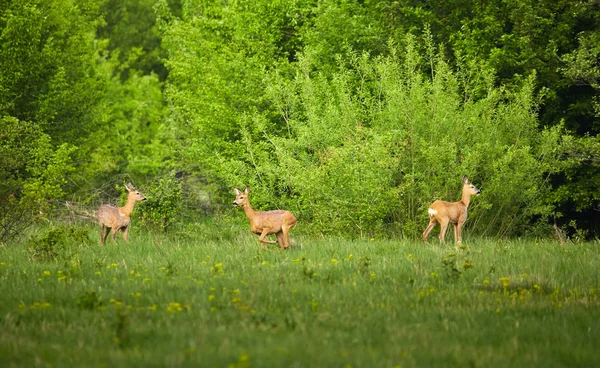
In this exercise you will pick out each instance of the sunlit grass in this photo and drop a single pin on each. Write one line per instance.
(201, 297)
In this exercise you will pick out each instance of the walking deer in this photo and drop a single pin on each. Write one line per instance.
(278, 222)
(451, 212)
(118, 218)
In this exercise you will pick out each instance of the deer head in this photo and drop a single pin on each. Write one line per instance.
(241, 198)
(467, 186)
(134, 195)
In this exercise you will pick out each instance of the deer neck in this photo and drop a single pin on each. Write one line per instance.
(126, 210)
(250, 213)
(466, 198)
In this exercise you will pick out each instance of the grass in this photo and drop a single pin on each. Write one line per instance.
(208, 296)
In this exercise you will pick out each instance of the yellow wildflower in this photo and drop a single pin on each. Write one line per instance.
(174, 307)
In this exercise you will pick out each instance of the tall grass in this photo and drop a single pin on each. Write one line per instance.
(202, 296)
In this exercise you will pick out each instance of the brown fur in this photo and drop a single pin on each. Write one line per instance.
(278, 222)
(118, 218)
(441, 212)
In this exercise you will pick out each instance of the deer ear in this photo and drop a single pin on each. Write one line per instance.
(465, 180)
(247, 190)
(129, 187)
(237, 191)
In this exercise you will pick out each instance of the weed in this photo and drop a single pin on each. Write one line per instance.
(89, 301)
(121, 337)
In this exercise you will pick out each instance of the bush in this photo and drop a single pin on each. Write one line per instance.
(163, 202)
(32, 175)
(372, 145)
(58, 243)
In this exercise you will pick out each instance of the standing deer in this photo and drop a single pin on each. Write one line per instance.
(278, 222)
(455, 212)
(118, 218)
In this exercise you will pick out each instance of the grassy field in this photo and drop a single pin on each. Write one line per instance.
(210, 297)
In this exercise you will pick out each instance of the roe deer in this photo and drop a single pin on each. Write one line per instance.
(278, 222)
(118, 218)
(455, 212)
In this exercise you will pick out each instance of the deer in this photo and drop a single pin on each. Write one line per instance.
(278, 222)
(442, 212)
(118, 218)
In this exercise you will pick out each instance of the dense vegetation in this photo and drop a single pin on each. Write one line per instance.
(354, 115)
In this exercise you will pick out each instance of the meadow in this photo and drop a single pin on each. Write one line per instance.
(208, 295)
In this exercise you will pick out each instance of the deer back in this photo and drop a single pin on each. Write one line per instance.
(112, 217)
(273, 220)
(451, 210)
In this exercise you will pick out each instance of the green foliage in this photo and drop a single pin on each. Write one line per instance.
(47, 167)
(578, 186)
(131, 138)
(582, 64)
(46, 57)
(89, 300)
(325, 108)
(164, 202)
(217, 60)
(377, 142)
(32, 174)
(61, 242)
(133, 37)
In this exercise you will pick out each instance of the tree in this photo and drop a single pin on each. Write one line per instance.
(47, 62)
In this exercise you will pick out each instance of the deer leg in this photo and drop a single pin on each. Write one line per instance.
(280, 239)
(459, 231)
(444, 227)
(262, 240)
(432, 223)
(456, 234)
(114, 232)
(286, 236)
(103, 234)
(125, 235)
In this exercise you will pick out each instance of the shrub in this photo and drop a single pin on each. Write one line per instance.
(58, 243)
(370, 146)
(164, 202)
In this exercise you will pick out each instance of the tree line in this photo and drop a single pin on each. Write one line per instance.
(354, 115)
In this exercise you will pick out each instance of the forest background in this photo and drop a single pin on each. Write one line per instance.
(354, 115)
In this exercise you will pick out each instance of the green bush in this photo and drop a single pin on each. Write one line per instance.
(32, 176)
(372, 146)
(163, 202)
(60, 242)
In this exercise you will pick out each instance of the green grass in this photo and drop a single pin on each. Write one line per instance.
(210, 296)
